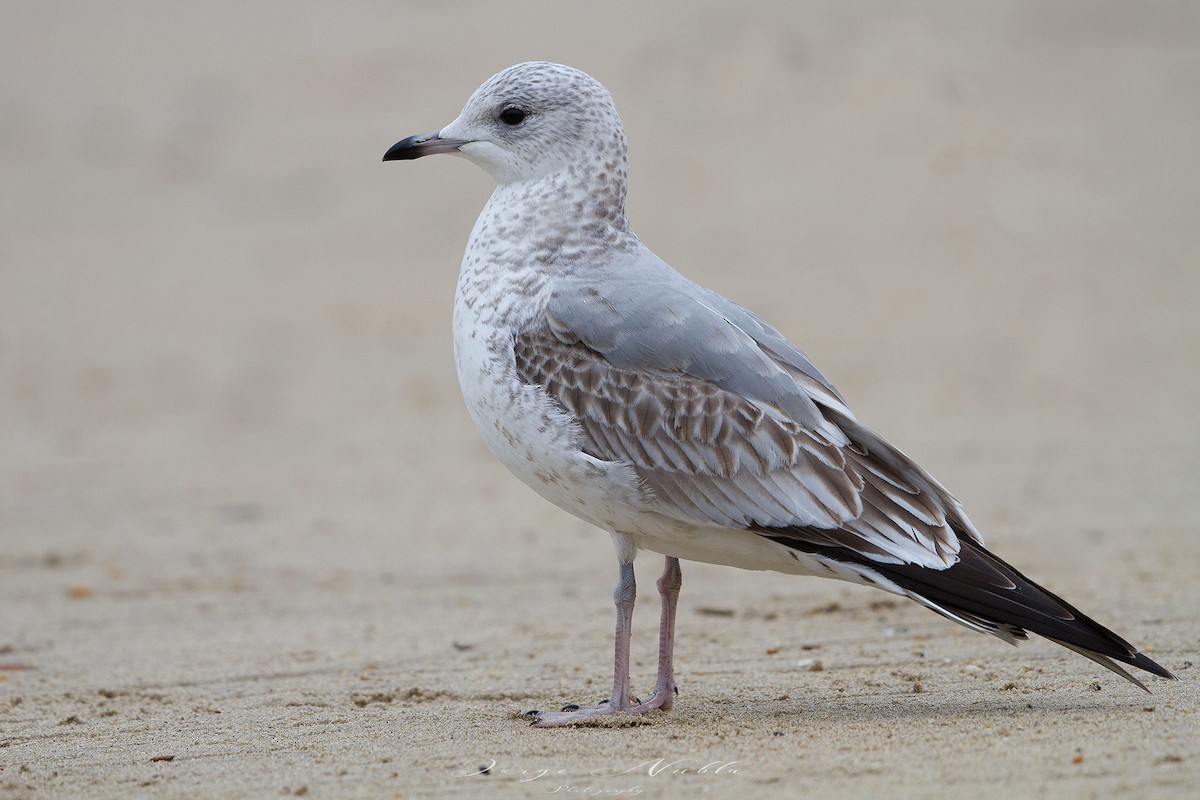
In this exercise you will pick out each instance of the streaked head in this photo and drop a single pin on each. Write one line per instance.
(529, 121)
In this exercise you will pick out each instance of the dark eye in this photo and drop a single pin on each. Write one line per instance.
(513, 115)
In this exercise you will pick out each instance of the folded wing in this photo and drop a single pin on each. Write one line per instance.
(727, 431)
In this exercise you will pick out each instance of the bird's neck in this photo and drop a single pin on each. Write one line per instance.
(572, 215)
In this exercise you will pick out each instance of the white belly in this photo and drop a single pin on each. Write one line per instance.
(531, 434)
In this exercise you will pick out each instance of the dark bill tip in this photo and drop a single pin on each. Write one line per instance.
(423, 144)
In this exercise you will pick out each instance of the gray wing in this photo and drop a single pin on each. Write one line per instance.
(729, 424)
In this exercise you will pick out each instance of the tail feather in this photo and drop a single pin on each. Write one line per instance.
(983, 592)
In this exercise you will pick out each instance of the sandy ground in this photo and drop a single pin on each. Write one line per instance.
(250, 545)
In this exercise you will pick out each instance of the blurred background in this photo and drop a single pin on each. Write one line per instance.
(219, 309)
(225, 356)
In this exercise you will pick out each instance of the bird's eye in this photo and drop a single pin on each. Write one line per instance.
(513, 115)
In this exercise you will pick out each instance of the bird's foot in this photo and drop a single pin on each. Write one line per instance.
(572, 713)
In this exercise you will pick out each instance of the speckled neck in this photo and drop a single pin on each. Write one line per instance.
(564, 220)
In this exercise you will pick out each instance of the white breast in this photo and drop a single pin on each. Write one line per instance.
(523, 427)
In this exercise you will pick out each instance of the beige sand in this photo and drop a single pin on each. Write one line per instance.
(250, 545)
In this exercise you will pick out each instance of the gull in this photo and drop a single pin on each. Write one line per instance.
(675, 419)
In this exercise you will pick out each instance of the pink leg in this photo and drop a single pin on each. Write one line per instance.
(668, 590)
(624, 597)
(664, 693)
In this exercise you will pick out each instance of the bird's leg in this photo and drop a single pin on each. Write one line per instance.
(624, 596)
(668, 590)
(621, 700)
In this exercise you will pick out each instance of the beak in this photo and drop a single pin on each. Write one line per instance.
(424, 144)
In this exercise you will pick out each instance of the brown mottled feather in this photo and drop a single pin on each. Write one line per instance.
(715, 458)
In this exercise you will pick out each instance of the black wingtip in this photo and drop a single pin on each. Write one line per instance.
(1113, 666)
(1141, 661)
(984, 589)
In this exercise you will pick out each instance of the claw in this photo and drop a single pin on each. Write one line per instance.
(571, 707)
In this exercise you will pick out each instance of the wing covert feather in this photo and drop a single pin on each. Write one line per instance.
(732, 427)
